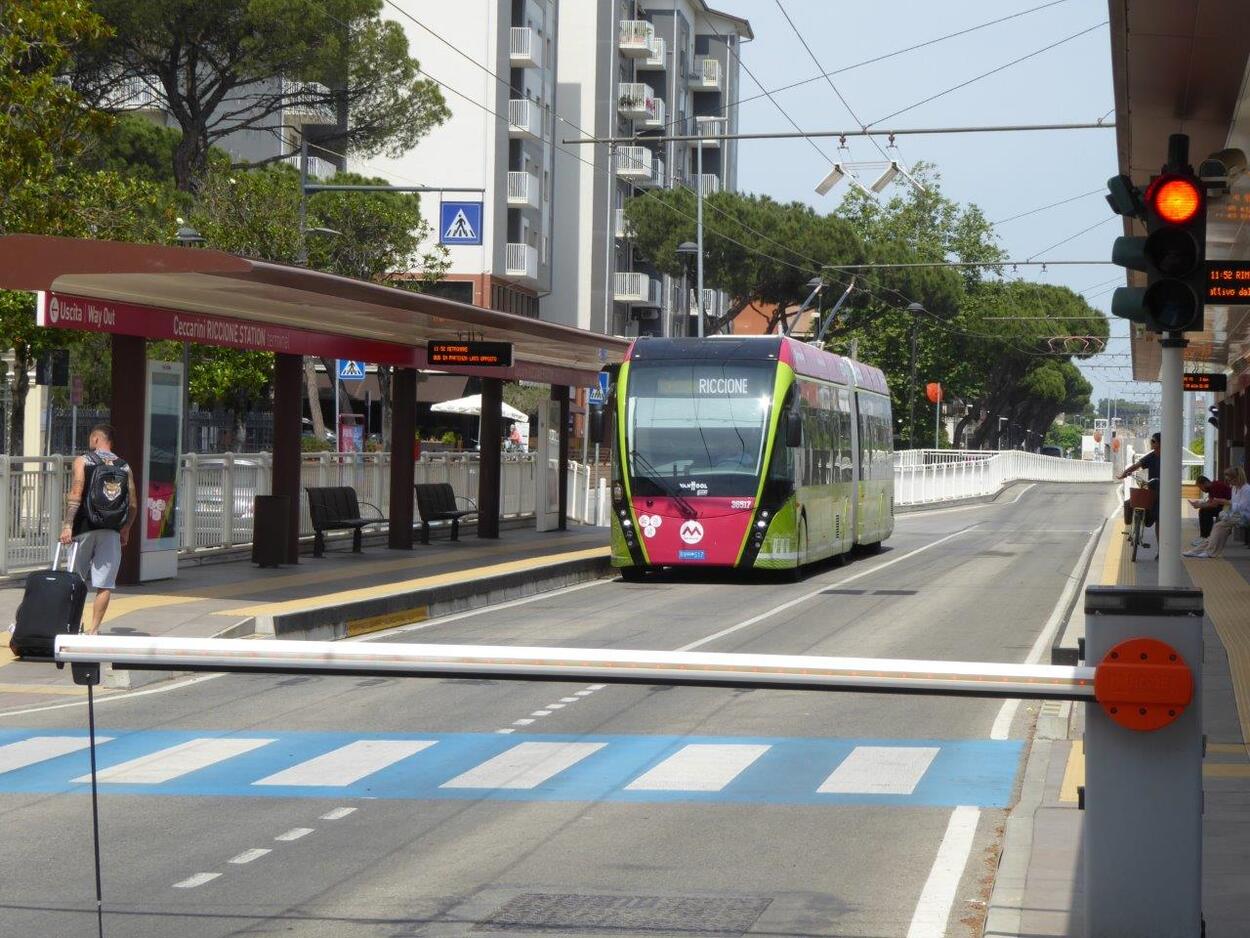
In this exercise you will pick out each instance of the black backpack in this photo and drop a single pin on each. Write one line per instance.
(106, 502)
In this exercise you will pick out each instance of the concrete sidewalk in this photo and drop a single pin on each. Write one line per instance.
(335, 596)
(1038, 891)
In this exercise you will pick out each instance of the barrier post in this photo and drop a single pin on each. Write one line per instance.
(1143, 763)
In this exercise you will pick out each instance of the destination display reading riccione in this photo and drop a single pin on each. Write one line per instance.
(692, 386)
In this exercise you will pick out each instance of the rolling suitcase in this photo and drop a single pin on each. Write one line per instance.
(51, 605)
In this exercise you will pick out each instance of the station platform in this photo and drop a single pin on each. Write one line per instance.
(1038, 891)
(336, 596)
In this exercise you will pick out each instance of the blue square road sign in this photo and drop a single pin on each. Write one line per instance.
(460, 223)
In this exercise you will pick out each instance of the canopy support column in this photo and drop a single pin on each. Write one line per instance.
(560, 393)
(490, 447)
(288, 409)
(403, 431)
(126, 412)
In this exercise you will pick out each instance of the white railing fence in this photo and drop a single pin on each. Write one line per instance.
(922, 477)
(222, 489)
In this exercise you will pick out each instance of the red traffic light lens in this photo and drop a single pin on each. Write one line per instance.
(1176, 200)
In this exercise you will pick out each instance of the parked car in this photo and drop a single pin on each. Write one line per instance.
(1052, 451)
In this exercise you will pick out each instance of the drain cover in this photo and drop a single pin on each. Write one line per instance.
(605, 915)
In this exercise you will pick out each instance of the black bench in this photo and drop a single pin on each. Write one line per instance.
(436, 501)
(337, 509)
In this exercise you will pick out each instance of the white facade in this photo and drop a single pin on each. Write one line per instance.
(626, 67)
(500, 54)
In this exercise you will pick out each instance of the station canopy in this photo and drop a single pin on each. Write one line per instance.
(213, 298)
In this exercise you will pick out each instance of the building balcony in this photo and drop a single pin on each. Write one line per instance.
(636, 289)
(711, 303)
(635, 38)
(317, 167)
(709, 183)
(657, 119)
(709, 127)
(707, 75)
(658, 59)
(136, 94)
(636, 100)
(521, 262)
(622, 228)
(639, 165)
(524, 191)
(525, 119)
(525, 48)
(306, 102)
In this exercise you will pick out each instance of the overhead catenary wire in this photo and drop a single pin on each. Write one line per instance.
(1035, 211)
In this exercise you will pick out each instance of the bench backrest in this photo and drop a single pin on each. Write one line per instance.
(435, 497)
(330, 504)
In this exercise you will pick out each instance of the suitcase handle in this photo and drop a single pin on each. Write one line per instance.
(71, 560)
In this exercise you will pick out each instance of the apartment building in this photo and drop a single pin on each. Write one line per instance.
(651, 67)
(500, 55)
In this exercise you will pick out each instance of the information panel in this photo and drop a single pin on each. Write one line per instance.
(1228, 282)
(1195, 381)
(158, 503)
(480, 354)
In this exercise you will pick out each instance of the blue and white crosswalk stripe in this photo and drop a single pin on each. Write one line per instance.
(768, 770)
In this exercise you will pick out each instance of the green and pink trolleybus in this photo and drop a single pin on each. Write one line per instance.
(748, 452)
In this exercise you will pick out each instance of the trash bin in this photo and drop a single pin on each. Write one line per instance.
(270, 517)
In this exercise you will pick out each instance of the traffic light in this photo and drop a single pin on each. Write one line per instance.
(1172, 255)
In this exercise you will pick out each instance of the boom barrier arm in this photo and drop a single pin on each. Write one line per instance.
(790, 672)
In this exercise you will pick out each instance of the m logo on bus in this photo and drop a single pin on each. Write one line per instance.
(691, 532)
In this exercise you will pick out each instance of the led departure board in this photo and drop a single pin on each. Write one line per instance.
(1205, 382)
(1228, 282)
(472, 353)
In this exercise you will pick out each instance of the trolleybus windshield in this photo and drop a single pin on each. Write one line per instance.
(701, 425)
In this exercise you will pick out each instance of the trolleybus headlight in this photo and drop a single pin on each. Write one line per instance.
(764, 515)
(618, 491)
(623, 513)
(761, 524)
(627, 524)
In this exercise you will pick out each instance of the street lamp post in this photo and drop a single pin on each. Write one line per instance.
(915, 309)
(699, 228)
(187, 237)
(687, 250)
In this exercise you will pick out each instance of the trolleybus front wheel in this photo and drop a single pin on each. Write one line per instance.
(633, 574)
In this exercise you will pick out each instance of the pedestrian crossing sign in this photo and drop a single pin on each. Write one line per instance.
(460, 223)
(350, 370)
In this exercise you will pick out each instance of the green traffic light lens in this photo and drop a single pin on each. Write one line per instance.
(1173, 251)
(1172, 305)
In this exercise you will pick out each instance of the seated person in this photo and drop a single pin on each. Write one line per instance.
(1236, 515)
(1218, 497)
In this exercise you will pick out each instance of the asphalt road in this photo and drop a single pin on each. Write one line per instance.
(331, 806)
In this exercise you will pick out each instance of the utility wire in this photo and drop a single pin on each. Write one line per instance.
(993, 71)
(1097, 224)
(1034, 211)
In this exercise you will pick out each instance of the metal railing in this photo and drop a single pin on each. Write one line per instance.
(925, 476)
(222, 489)
(524, 45)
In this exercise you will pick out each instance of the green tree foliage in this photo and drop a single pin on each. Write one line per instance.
(1065, 436)
(222, 66)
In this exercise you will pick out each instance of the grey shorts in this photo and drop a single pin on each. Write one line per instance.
(98, 559)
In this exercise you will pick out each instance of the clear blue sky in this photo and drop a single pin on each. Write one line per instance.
(1005, 174)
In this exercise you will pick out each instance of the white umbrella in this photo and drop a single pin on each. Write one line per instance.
(471, 406)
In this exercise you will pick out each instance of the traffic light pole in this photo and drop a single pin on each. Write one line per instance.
(1168, 511)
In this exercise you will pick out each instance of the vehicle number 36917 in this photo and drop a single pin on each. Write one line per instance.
(742, 503)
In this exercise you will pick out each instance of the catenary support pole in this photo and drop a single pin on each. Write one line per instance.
(489, 448)
(699, 229)
(560, 393)
(129, 399)
(403, 432)
(1171, 570)
(288, 400)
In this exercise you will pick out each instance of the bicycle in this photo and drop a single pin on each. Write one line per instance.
(1141, 500)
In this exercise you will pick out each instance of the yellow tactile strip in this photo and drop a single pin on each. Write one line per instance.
(1226, 596)
(1117, 564)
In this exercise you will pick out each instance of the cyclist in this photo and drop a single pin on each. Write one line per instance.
(1150, 463)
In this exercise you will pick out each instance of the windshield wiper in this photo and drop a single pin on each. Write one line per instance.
(651, 474)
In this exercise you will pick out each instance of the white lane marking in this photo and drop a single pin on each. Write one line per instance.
(526, 721)
(247, 856)
(934, 908)
(746, 623)
(541, 713)
(506, 730)
(199, 879)
(337, 814)
(26, 752)
(443, 620)
(699, 767)
(568, 700)
(880, 770)
(182, 759)
(295, 833)
(927, 512)
(349, 763)
(584, 693)
(1001, 728)
(595, 686)
(163, 688)
(527, 765)
(555, 706)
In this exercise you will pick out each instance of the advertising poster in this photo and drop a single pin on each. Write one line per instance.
(158, 501)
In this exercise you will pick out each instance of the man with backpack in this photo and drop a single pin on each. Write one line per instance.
(100, 512)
